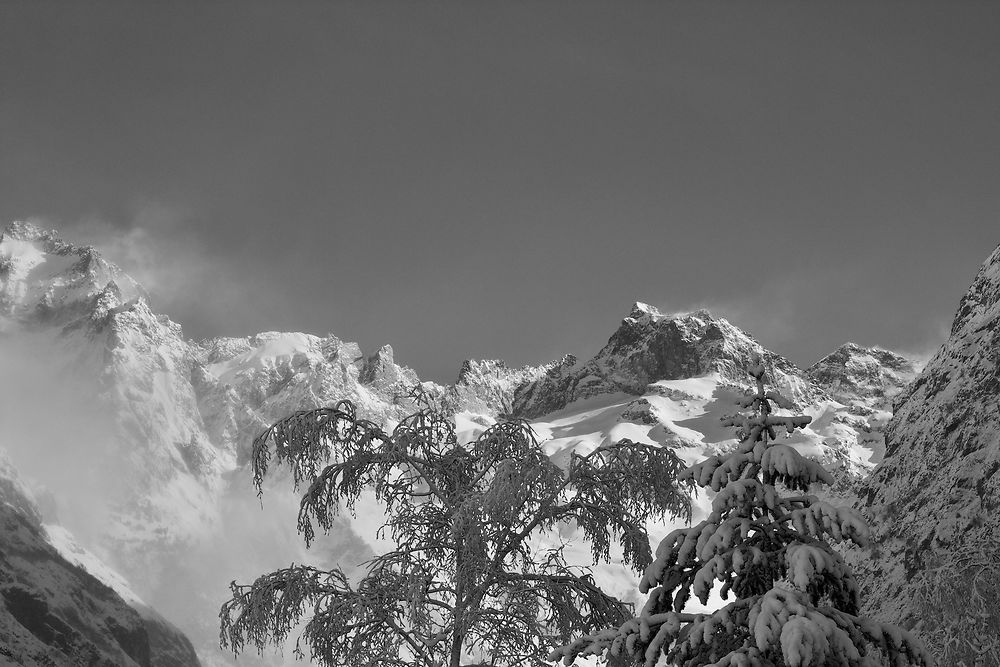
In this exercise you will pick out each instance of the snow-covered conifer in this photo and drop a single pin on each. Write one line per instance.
(796, 600)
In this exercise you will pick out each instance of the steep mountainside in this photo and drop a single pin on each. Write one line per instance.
(146, 462)
(934, 500)
(52, 612)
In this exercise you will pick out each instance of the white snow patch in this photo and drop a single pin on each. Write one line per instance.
(274, 348)
(702, 387)
(22, 255)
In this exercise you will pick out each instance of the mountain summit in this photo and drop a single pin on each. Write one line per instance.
(45, 279)
(650, 346)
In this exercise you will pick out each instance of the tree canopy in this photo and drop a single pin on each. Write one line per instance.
(479, 573)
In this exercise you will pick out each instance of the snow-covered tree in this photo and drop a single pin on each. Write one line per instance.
(765, 542)
(469, 580)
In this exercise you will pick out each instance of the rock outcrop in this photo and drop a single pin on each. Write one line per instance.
(650, 346)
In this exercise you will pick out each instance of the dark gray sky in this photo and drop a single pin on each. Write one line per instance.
(505, 179)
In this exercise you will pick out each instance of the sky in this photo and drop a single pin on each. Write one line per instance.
(503, 180)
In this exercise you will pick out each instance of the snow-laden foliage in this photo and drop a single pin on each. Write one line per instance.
(468, 579)
(796, 601)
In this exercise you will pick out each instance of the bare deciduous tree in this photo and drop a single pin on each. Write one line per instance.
(469, 579)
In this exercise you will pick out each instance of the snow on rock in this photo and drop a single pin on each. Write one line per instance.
(46, 279)
(488, 386)
(867, 378)
(932, 502)
(247, 383)
(650, 346)
(179, 417)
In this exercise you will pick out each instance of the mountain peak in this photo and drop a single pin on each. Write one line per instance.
(650, 346)
(871, 376)
(24, 231)
(44, 277)
(643, 311)
(23, 234)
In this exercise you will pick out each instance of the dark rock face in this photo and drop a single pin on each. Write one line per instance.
(934, 502)
(55, 614)
(380, 368)
(168, 646)
(381, 372)
(649, 346)
(548, 393)
(639, 411)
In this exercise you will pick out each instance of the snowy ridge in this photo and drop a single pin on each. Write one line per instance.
(181, 518)
(489, 386)
(46, 279)
(650, 346)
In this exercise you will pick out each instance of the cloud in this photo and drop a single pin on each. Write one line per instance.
(56, 430)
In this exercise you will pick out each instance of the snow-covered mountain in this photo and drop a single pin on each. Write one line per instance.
(155, 429)
(865, 378)
(933, 502)
(650, 346)
(90, 325)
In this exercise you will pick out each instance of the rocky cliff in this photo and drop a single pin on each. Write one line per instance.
(650, 346)
(933, 502)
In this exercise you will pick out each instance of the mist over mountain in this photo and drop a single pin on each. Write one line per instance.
(134, 440)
